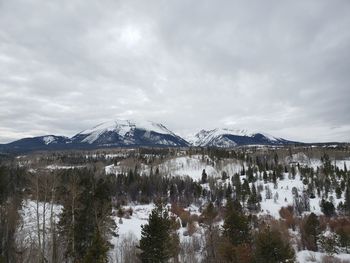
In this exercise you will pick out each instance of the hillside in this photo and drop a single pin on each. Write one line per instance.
(280, 187)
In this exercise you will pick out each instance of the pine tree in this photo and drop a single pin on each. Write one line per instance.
(330, 243)
(270, 248)
(327, 208)
(310, 232)
(245, 189)
(347, 199)
(228, 191)
(338, 192)
(265, 177)
(236, 235)
(97, 253)
(204, 177)
(236, 182)
(86, 216)
(293, 172)
(208, 218)
(250, 175)
(236, 225)
(276, 159)
(274, 179)
(158, 239)
(253, 200)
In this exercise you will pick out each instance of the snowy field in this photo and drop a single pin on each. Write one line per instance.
(191, 166)
(307, 256)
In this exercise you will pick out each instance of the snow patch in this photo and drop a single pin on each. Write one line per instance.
(49, 139)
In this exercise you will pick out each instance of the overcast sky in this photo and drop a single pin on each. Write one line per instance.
(282, 67)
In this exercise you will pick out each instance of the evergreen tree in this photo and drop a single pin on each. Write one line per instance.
(330, 243)
(274, 179)
(97, 253)
(228, 191)
(271, 248)
(293, 172)
(236, 182)
(343, 232)
(158, 240)
(245, 189)
(250, 175)
(253, 200)
(11, 185)
(204, 177)
(327, 208)
(85, 222)
(224, 176)
(243, 170)
(347, 199)
(208, 218)
(310, 232)
(235, 245)
(276, 159)
(236, 225)
(338, 192)
(265, 177)
(174, 193)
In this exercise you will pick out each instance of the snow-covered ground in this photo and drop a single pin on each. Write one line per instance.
(30, 213)
(307, 256)
(63, 167)
(191, 166)
(281, 197)
(130, 229)
(133, 224)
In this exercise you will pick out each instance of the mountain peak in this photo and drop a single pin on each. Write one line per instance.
(129, 132)
(225, 137)
(139, 133)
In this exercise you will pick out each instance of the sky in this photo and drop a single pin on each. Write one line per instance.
(280, 67)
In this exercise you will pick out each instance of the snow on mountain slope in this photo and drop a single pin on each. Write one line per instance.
(129, 132)
(37, 143)
(233, 137)
(204, 136)
(49, 139)
(122, 127)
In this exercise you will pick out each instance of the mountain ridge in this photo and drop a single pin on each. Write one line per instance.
(223, 137)
(116, 133)
(141, 133)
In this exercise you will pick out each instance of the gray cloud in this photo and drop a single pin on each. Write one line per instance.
(278, 67)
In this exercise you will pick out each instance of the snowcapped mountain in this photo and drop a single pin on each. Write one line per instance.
(234, 137)
(128, 132)
(118, 133)
(36, 143)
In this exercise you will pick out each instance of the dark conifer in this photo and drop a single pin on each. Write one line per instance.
(271, 248)
(158, 239)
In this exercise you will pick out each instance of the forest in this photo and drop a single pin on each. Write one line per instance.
(248, 204)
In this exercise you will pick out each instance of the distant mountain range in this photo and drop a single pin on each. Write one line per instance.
(128, 133)
(227, 138)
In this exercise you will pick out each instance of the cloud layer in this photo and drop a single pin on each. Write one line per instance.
(280, 67)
